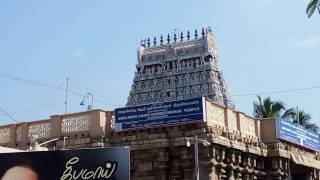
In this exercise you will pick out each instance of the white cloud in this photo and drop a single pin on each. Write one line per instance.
(306, 42)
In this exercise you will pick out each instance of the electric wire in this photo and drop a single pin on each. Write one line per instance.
(92, 91)
(50, 86)
(280, 91)
(31, 109)
(114, 105)
(44, 102)
(11, 117)
(26, 80)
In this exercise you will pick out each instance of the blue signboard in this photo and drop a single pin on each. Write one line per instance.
(160, 114)
(297, 134)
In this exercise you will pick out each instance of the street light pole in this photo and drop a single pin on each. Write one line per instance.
(89, 98)
(196, 157)
(196, 153)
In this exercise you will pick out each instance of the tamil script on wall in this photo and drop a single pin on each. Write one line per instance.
(297, 134)
(160, 114)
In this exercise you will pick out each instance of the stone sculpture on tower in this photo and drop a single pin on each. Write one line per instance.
(179, 68)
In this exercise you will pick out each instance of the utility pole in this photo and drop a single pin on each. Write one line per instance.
(66, 101)
(196, 141)
(196, 159)
(298, 121)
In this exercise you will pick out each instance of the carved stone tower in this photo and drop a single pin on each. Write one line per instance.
(179, 68)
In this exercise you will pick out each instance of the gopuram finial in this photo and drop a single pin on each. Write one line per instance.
(188, 35)
(203, 33)
(177, 37)
(143, 43)
(148, 42)
(196, 34)
(161, 40)
(154, 41)
(181, 36)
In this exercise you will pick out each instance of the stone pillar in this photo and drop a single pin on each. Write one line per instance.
(231, 174)
(219, 172)
(251, 176)
(310, 176)
(245, 176)
(211, 173)
(237, 175)
(273, 169)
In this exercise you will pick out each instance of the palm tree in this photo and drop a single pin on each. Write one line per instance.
(301, 118)
(312, 6)
(267, 108)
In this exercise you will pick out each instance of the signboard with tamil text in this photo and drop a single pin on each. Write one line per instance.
(89, 164)
(160, 114)
(297, 134)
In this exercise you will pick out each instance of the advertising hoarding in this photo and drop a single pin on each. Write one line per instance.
(297, 134)
(90, 164)
(160, 114)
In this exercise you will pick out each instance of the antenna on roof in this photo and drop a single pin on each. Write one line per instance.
(66, 101)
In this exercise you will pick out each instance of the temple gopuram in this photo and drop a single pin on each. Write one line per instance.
(179, 97)
(179, 70)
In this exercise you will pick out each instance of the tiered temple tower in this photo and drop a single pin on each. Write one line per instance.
(179, 68)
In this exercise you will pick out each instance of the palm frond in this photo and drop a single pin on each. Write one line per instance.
(266, 108)
(312, 6)
(290, 114)
(312, 127)
(304, 118)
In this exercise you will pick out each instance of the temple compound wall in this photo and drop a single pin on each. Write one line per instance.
(241, 147)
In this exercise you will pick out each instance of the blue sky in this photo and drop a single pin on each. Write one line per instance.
(264, 45)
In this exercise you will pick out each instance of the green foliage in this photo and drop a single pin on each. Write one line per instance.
(301, 118)
(267, 108)
(312, 6)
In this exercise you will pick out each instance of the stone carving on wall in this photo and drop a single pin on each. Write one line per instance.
(4, 135)
(75, 124)
(42, 130)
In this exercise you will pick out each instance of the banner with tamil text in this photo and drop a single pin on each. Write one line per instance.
(90, 164)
